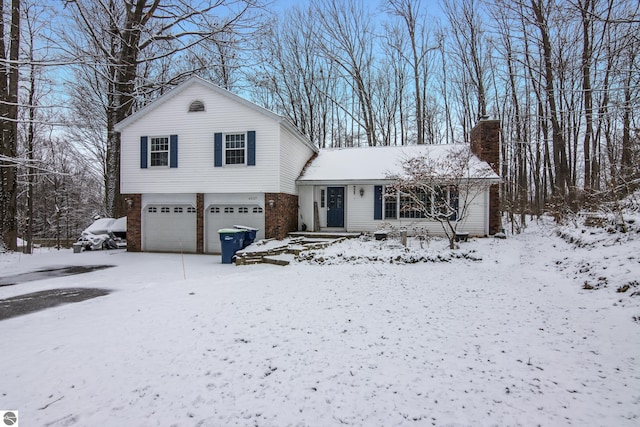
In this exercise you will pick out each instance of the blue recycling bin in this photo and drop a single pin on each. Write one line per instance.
(231, 240)
(249, 234)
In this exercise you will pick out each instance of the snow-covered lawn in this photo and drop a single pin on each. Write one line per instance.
(512, 339)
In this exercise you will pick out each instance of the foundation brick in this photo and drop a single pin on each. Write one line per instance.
(282, 217)
(134, 222)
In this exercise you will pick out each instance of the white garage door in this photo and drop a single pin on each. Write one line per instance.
(169, 228)
(226, 216)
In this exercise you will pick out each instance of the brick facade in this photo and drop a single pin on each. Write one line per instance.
(485, 143)
(134, 222)
(282, 217)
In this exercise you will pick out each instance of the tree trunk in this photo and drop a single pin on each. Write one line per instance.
(626, 161)
(560, 161)
(587, 11)
(9, 128)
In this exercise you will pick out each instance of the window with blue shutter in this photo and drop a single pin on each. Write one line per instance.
(377, 202)
(234, 149)
(173, 151)
(144, 148)
(251, 148)
(217, 150)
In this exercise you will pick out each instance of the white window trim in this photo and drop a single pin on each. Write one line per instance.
(151, 138)
(224, 149)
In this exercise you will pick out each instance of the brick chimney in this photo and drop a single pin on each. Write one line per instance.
(485, 144)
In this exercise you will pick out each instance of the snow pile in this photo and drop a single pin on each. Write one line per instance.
(365, 249)
(606, 249)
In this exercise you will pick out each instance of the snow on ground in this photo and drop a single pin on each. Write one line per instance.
(507, 336)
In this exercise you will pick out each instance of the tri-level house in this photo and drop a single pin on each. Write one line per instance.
(200, 158)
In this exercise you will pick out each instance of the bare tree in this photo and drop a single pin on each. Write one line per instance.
(441, 189)
(300, 80)
(416, 56)
(346, 40)
(122, 40)
(541, 10)
(469, 48)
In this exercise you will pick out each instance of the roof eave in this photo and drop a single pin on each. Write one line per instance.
(377, 181)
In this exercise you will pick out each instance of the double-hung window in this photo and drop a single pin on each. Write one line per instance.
(391, 206)
(234, 149)
(159, 151)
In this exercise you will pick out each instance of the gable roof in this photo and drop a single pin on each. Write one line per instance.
(378, 163)
(193, 80)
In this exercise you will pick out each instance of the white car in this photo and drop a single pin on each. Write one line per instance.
(105, 233)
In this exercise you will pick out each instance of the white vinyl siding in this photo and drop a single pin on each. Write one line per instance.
(305, 206)
(196, 131)
(293, 157)
(359, 211)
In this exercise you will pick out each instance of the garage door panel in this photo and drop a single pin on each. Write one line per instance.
(170, 228)
(228, 215)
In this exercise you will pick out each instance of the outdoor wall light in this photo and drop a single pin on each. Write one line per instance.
(361, 192)
(129, 203)
(271, 203)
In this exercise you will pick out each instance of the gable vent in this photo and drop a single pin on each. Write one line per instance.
(196, 106)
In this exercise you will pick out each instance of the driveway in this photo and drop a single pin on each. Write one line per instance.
(36, 301)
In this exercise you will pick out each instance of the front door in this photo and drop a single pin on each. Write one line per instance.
(335, 206)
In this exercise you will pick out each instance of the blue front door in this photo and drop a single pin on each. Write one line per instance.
(335, 206)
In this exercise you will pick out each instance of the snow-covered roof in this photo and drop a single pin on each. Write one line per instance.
(378, 163)
(107, 225)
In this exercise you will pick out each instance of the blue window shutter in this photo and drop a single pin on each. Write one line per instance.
(217, 150)
(251, 148)
(377, 202)
(173, 151)
(144, 149)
